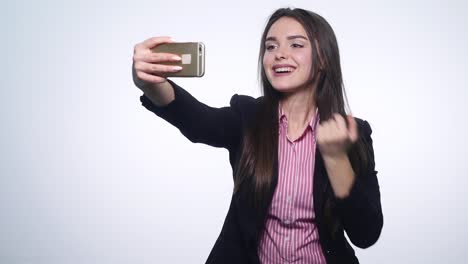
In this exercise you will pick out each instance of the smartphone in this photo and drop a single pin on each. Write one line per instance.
(192, 54)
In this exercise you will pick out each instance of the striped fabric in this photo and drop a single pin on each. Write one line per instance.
(291, 235)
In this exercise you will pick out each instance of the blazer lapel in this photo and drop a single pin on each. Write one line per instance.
(252, 219)
(320, 184)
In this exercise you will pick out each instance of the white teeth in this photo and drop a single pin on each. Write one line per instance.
(284, 69)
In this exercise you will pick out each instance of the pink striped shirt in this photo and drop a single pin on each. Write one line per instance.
(291, 235)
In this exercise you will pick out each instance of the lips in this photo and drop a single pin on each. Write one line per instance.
(283, 69)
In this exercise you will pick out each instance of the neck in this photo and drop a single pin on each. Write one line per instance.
(299, 106)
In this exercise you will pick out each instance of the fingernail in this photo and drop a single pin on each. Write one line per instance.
(177, 68)
(176, 58)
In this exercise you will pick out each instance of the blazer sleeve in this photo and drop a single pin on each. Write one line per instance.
(218, 127)
(361, 212)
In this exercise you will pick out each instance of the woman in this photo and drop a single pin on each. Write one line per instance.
(303, 170)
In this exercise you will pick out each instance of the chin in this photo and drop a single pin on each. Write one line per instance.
(285, 88)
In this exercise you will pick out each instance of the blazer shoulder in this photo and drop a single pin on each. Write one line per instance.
(245, 104)
(364, 126)
(244, 100)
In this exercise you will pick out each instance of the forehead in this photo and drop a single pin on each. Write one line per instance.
(286, 26)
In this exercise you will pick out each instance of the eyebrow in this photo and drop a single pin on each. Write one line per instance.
(288, 37)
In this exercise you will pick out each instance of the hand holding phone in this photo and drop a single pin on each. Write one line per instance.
(153, 62)
(159, 57)
(148, 68)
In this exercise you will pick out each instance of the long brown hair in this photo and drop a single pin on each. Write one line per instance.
(258, 160)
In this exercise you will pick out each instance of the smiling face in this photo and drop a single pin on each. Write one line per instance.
(287, 60)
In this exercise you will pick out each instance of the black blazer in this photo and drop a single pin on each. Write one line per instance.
(360, 214)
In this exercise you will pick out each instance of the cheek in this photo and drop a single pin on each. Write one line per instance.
(306, 63)
(266, 63)
(305, 59)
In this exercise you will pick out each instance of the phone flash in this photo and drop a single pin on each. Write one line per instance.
(186, 58)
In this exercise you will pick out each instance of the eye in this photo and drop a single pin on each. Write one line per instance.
(270, 46)
(297, 45)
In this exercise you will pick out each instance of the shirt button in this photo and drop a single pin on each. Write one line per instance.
(288, 199)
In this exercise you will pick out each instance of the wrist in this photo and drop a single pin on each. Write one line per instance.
(335, 157)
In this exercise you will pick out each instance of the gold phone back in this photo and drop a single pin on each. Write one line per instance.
(192, 54)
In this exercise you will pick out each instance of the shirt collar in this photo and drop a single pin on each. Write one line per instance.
(283, 120)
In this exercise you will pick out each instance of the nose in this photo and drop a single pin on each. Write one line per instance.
(280, 53)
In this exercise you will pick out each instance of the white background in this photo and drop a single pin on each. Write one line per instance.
(87, 175)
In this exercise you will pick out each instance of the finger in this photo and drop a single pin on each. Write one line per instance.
(323, 132)
(156, 68)
(152, 42)
(320, 130)
(334, 131)
(340, 123)
(149, 78)
(157, 57)
(352, 129)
